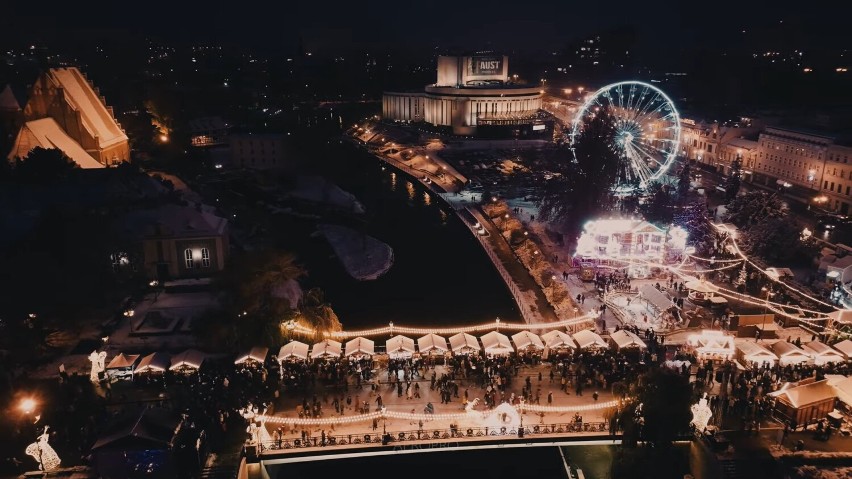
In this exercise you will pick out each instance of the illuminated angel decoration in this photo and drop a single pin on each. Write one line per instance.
(97, 359)
(701, 414)
(41, 451)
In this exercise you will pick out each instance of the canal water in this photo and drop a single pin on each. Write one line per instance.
(440, 275)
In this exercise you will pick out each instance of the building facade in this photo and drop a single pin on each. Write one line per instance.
(257, 151)
(471, 92)
(65, 111)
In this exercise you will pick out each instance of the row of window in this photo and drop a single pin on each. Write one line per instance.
(190, 261)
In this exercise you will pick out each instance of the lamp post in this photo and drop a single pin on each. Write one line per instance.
(769, 294)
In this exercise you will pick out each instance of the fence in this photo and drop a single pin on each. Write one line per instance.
(428, 435)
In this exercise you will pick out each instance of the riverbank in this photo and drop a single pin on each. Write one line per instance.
(364, 257)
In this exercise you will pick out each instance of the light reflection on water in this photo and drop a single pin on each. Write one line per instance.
(409, 187)
(427, 200)
(393, 181)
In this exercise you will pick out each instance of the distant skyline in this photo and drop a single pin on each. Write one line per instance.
(500, 24)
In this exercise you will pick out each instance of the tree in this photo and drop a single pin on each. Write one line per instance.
(683, 181)
(693, 218)
(43, 165)
(779, 239)
(599, 158)
(318, 313)
(658, 207)
(732, 185)
(753, 207)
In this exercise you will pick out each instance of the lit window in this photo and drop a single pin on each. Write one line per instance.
(205, 258)
(187, 255)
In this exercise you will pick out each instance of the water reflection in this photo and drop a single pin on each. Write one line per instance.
(427, 200)
(409, 187)
(393, 181)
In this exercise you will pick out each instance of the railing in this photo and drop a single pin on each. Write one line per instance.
(428, 435)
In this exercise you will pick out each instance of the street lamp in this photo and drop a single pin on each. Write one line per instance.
(769, 294)
(27, 405)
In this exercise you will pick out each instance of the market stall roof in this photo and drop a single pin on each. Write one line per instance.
(654, 296)
(190, 358)
(496, 343)
(399, 346)
(123, 361)
(526, 339)
(823, 353)
(159, 362)
(360, 346)
(779, 273)
(844, 347)
(718, 300)
(432, 341)
(557, 339)
(626, 339)
(701, 286)
(843, 390)
(806, 394)
(293, 349)
(789, 353)
(464, 343)
(841, 316)
(257, 353)
(755, 352)
(328, 347)
(589, 339)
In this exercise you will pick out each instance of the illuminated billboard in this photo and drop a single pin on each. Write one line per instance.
(486, 65)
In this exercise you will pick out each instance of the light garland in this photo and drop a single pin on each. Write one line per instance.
(386, 414)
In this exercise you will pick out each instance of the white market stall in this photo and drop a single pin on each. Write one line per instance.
(293, 349)
(844, 347)
(190, 359)
(360, 347)
(623, 339)
(700, 291)
(154, 362)
(496, 343)
(122, 366)
(843, 389)
(432, 342)
(655, 299)
(789, 354)
(558, 340)
(527, 340)
(399, 347)
(822, 353)
(256, 354)
(464, 343)
(750, 353)
(586, 339)
(327, 348)
(713, 345)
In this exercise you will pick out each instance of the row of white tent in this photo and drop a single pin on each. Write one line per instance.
(463, 343)
(786, 353)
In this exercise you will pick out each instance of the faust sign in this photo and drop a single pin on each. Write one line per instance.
(490, 65)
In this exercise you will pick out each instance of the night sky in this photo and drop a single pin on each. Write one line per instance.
(523, 25)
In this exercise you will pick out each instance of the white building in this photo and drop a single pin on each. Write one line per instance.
(625, 239)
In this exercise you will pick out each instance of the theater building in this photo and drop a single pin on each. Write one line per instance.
(473, 96)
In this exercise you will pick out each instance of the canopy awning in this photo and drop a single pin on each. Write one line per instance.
(432, 342)
(823, 353)
(329, 347)
(399, 347)
(123, 361)
(190, 358)
(844, 347)
(158, 362)
(755, 353)
(496, 343)
(464, 343)
(789, 353)
(843, 316)
(558, 340)
(626, 339)
(654, 296)
(257, 353)
(588, 339)
(843, 389)
(701, 286)
(360, 347)
(293, 349)
(526, 339)
(718, 300)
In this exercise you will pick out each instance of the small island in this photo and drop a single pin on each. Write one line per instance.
(364, 257)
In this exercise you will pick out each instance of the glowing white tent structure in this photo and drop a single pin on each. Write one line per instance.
(750, 352)
(464, 343)
(154, 362)
(496, 343)
(189, 359)
(432, 342)
(526, 339)
(399, 347)
(844, 347)
(558, 340)
(327, 348)
(623, 339)
(712, 344)
(360, 347)
(586, 339)
(789, 353)
(256, 354)
(823, 354)
(293, 349)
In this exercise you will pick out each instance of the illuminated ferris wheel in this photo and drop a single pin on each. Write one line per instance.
(647, 130)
